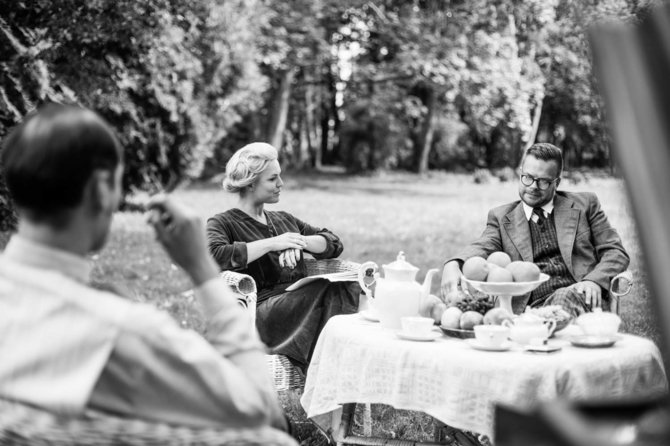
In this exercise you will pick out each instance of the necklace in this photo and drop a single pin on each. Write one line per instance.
(271, 225)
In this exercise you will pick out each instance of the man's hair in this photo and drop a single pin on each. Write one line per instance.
(545, 152)
(48, 158)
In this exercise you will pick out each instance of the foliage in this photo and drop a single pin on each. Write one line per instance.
(171, 77)
(389, 84)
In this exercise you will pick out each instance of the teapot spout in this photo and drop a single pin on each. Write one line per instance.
(425, 289)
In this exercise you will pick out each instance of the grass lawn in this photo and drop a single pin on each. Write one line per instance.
(429, 218)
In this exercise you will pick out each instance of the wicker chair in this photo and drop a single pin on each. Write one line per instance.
(286, 376)
(23, 425)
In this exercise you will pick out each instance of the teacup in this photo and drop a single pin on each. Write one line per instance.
(492, 336)
(416, 325)
(523, 330)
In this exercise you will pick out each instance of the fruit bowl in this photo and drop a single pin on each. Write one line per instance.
(458, 332)
(506, 288)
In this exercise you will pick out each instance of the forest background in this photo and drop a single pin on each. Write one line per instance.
(369, 85)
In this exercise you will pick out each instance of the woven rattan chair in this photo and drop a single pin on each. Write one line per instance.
(286, 376)
(23, 425)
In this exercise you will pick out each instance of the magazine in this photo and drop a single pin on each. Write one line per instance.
(342, 276)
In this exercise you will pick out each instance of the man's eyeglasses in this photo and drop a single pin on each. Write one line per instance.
(542, 183)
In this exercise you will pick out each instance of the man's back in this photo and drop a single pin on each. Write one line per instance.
(72, 347)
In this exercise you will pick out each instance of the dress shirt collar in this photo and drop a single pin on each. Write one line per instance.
(36, 255)
(547, 208)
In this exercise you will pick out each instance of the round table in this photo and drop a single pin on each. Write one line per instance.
(357, 361)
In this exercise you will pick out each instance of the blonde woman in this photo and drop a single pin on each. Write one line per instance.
(268, 245)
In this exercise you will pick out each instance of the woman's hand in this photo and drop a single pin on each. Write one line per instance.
(290, 258)
(288, 240)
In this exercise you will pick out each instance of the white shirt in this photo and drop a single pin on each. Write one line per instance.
(547, 209)
(65, 346)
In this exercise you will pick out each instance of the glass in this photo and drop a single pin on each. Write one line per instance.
(542, 183)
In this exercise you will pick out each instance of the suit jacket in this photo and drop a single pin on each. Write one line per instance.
(590, 246)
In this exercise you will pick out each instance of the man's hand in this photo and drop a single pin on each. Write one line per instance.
(591, 292)
(290, 258)
(182, 234)
(451, 277)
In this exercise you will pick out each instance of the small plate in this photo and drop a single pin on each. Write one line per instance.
(422, 338)
(369, 315)
(476, 345)
(591, 341)
(458, 332)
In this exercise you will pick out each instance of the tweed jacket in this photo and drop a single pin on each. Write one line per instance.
(591, 248)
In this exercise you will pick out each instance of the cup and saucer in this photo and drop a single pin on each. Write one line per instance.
(416, 328)
(490, 338)
(369, 314)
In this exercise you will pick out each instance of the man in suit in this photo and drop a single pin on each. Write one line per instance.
(566, 234)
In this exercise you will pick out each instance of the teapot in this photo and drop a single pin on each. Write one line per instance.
(599, 323)
(528, 326)
(397, 294)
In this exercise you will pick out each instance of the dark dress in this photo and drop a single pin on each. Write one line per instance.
(289, 322)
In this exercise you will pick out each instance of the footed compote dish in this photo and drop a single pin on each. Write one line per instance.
(504, 291)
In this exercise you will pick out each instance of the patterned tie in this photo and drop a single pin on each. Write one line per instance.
(540, 215)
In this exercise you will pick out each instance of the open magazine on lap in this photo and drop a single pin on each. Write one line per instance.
(343, 276)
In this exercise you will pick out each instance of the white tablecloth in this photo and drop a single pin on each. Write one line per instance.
(357, 361)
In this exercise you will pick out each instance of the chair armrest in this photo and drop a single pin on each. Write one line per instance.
(620, 285)
(245, 287)
(24, 425)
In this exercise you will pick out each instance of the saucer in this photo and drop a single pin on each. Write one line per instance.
(594, 341)
(424, 338)
(368, 315)
(474, 343)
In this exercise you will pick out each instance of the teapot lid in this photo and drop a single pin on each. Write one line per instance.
(400, 265)
(598, 317)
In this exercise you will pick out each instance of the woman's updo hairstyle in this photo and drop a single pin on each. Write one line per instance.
(246, 165)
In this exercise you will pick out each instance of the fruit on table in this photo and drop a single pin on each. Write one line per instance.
(437, 311)
(451, 318)
(496, 316)
(479, 304)
(499, 258)
(498, 274)
(476, 268)
(453, 297)
(427, 303)
(469, 319)
(524, 271)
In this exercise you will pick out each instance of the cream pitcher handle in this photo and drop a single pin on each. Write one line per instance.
(369, 269)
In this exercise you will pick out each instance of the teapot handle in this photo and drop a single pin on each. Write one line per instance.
(369, 269)
(552, 325)
(507, 323)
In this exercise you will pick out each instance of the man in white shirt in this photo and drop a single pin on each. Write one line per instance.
(566, 234)
(65, 345)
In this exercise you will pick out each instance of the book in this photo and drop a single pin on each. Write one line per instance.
(342, 276)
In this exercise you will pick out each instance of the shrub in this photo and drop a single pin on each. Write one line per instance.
(482, 176)
(505, 174)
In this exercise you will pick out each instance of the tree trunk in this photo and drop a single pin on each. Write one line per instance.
(427, 132)
(537, 113)
(279, 109)
(311, 132)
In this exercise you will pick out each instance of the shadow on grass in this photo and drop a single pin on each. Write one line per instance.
(386, 422)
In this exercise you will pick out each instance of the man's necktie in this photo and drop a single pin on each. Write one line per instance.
(540, 215)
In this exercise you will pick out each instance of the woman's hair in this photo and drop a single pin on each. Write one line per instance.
(246, 165)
